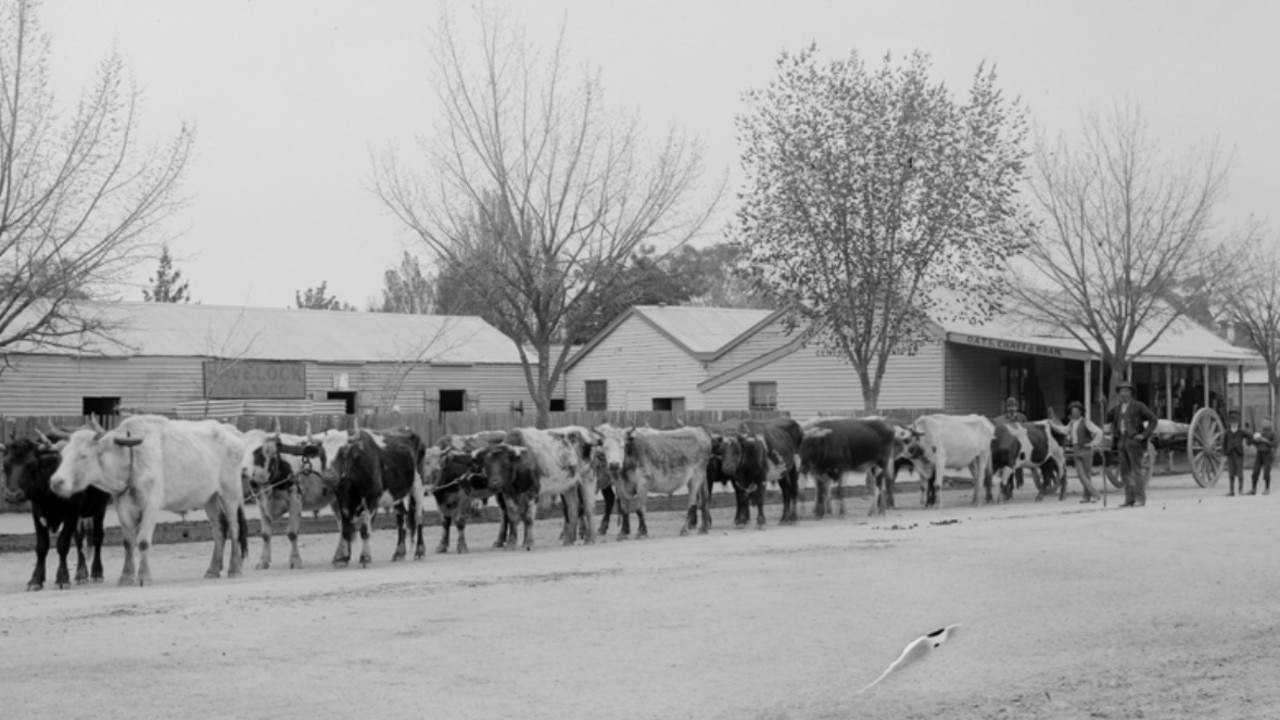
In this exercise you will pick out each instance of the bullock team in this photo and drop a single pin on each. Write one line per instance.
(149, 464)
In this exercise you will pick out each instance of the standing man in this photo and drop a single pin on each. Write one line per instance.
(1133, 423)
(1014, 415)
(1265, 441)
(1233, 447)
(1084, 438)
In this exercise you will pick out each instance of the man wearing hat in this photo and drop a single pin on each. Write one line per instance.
(1083, 437)
(1133, 424)
(1233, 448)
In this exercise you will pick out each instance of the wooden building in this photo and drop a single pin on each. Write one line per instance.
(715, 358)
(171, 357)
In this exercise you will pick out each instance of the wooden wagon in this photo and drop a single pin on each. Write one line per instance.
(1200, 440)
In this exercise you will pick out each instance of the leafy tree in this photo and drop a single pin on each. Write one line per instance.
(167, 284)
(406, 290)
(875, 201)
(1126, 234)
(318, 298)
(82, 200)
(535, 192)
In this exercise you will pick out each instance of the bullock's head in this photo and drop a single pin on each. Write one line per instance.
(730, 454)
(614, 442)
(95, 457)
(910, 443)
(498, 463)
(22, 461)
(354, 461)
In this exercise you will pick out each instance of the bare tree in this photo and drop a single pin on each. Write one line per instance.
(528, 163)
(81, 200)
(1253, 306)
(870, 189)
(415, 353)
(1126, 230)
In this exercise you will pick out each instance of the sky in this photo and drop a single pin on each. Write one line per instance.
(293, 99)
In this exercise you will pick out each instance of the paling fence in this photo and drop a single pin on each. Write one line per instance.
(434, 426)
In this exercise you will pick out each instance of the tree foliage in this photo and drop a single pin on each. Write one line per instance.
(534, 194)
(167, 284)
(876, 201)
(1126, 234)
(82, 200)
(406, 289)
(318, 298)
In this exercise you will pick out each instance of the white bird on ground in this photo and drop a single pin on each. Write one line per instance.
(917, 649)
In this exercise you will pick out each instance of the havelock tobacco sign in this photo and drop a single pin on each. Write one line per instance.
(257, 380)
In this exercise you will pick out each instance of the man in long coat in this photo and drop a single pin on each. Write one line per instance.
(1132, 425)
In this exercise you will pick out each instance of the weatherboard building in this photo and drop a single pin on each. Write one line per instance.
(225, 361)
(695, 358)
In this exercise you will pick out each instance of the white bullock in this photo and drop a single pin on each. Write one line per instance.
(151, 464)
(949, 442)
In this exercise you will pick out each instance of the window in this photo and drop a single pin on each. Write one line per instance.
(668, 404)
(597, 394)
(762, 396)
(557, 405)
(453, 401)
(348, 397)
(100, 406)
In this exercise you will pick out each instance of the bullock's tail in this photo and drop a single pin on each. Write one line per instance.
(244, 533)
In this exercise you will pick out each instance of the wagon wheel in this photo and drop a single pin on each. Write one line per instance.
(1204, 447)
(1111, 471)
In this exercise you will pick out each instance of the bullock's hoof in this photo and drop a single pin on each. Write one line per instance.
(295, 563)
(419, 553)
(33, 586)
(264, 565)
(209, 575)
(341, 562)
(603, 529)
(703, 530)
(443, 549)
(84, 580)
(622, 536)
(462, 548)
(397, 557)
(739, 524)
(366, 561)
(144, 581)
(82, 576)
(64, 584)
(234, 574)
(96, 579)
(684, 531)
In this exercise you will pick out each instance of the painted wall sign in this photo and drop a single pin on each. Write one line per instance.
(254, 380)
(1016, 346)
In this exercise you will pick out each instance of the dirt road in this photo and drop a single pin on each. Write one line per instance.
(1068, 611)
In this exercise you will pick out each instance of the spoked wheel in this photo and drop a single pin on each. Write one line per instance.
(1112, 469)
(1204, 447)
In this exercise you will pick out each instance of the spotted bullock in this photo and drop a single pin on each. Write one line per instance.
(282, 480)
(1017, 446)
(661, 461)
(377, 470)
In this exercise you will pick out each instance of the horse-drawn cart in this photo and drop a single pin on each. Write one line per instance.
(1200, 440)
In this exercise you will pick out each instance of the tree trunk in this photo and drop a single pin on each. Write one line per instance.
(870, 391)
(543, 400)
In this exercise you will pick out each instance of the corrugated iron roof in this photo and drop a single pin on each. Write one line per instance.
(702, 329)
(184, 330)
(1184, 341)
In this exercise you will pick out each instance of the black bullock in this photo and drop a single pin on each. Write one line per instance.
(750, 453)
(512, 473)
(832, 447)
(28, 465)
(378, 470)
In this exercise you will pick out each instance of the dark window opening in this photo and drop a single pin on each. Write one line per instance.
(100, 406)
(668, 404)
(453, 400)
(557, 404)
(349, 397)
(597, 394)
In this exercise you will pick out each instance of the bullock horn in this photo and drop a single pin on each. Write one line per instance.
(93, 423)
(309, 431)
(355, 425)
(275, 425)
(56, 433)
(42, 438)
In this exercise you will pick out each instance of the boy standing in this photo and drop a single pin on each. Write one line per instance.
(1265, 441)
(1233, 448)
